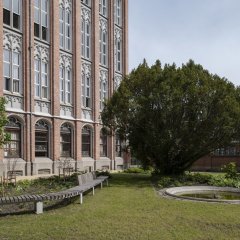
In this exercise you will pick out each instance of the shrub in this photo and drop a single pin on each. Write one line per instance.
(231, 170)
(135, 170)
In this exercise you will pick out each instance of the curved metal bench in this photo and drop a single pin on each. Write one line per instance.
(86, 182)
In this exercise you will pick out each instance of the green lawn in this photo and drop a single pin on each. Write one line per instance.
(128, 209)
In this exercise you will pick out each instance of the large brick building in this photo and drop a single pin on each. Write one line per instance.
(60, 59)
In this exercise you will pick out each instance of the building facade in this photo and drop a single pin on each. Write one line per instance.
(60, 60)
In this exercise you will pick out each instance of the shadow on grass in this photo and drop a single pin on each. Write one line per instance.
(28, 208)
(136, 180)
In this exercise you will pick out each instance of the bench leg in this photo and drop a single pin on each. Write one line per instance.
(93, 191)
(101, 185)
(81, 198)
(107, 182)
(39, 207)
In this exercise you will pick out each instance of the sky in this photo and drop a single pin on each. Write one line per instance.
(207, 31)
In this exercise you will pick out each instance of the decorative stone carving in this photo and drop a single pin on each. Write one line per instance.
(65, 61)
(66, 4)
(86, 69)
(86, 15)
(41, 53)
(118, 34)
(15, 102)
(66, 111)
(117, 81)
(12, 42)
(103, 75)
(103, 25)
(43, 107)
(86, 114)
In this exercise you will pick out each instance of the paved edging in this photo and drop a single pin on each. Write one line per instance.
(175, 191)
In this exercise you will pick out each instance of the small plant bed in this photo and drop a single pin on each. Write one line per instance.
(137, 170)
(37, 186)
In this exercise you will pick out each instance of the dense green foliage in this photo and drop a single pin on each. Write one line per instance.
(4, 137)
(173, 116)
(128, 209)
(219, 180)
(231, 171)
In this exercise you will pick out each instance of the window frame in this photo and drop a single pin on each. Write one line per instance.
(86, 35)
(13, 126)
(89, 143)
(65, 82)
(86, 91)
(63, 130)
(103, 90)
(11, 10)
(103, 144)
(11, 65)
(41, 11)
(65, 25)
(103, 45)
(42, 126)
(103, 8)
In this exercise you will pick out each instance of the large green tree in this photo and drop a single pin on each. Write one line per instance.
(173, 116)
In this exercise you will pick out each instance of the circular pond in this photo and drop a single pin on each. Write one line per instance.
(206, 193)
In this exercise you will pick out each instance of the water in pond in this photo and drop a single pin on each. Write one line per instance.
(214, 195)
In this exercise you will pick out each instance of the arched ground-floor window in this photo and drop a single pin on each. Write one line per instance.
(12, 149)
(103, 144)
(41, 139)
(86, 142)
(66, 140)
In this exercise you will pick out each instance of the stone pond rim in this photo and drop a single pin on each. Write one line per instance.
(176, 193)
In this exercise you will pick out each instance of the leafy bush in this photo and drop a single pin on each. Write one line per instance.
(104, 173)
(231, 170)
(135, 170)
(196, 179)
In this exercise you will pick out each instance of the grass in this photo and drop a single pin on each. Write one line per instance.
(128, 209)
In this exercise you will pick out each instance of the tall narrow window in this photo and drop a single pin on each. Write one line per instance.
(103, 144)
(118, 55)
(65, 79)
(12, 70)
(86, 86)
(66, 140)
(86, 2)
(41, 79)
(41, 72)
(86, 142)
(41, 139)
(65, 85)
(41, 14)
(12, 149)
(103, 42)
(103, 88)
(65, 25)
(118, 12)
(12, 13)
(86, 33)
(103, 7)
